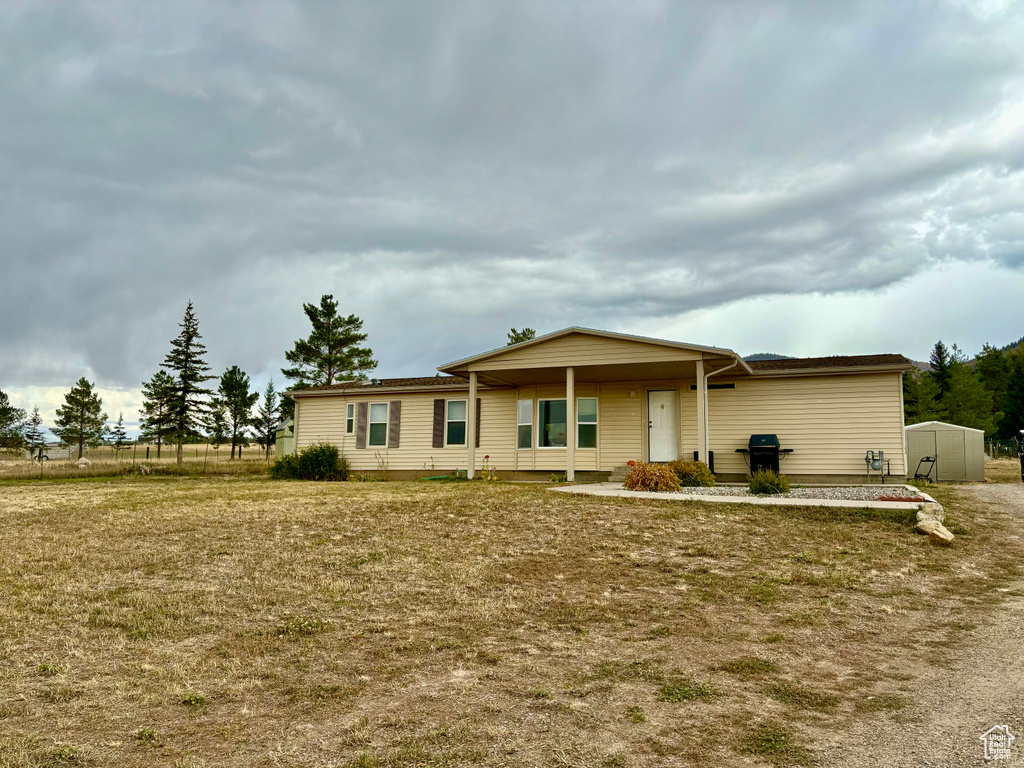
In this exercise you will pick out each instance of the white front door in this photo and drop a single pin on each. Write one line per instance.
(662, 425)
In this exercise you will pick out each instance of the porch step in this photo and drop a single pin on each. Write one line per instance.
(618, 474)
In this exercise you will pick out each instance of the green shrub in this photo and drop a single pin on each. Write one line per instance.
(693, 474)
(764, 482)
(651, 477)
(320, 461)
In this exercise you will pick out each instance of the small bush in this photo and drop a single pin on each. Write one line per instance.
(320, 461)
(651, 477)
(764, 482)
(693, 474)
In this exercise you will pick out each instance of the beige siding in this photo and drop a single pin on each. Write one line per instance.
(581, 349)
(828, 421)
(323, 418)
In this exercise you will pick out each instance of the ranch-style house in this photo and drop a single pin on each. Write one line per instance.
(585, 402)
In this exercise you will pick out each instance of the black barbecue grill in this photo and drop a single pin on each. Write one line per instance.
(765, 452)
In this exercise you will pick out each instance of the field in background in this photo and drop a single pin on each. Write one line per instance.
(220, 621)
(1002, 471)
(104, 461)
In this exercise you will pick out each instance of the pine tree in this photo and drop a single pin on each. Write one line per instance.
(993, 369)
(189, 371)
(34, 439)
(156, 422)
(514, 336)
(940, 361)
(1013, 418)
(968, 403)
(216, 424)
(266, 418)
(331, 353)
(119, 436)
(921, 398)
(238, 402)
(81, 420)
(12, 425)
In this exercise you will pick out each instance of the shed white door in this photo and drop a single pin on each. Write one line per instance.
(663, 426)
(951, 455)
(920, 443)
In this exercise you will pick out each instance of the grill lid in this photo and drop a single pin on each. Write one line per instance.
(764, 441)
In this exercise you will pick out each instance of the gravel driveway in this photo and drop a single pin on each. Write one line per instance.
(953, 707)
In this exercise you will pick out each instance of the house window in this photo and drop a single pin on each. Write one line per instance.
(524, 424)
(378, 425)
(455, 423)
(552, 427)
(586, 422)
(350, 418)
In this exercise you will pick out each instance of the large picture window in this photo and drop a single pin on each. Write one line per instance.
(455, 423)
(586, 422)
(378, 437)
(524, 424)
(350, 418)
(552, 427)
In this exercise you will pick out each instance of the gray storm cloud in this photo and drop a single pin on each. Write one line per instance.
(450, 169)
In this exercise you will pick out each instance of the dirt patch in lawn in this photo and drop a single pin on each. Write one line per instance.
(250, 622)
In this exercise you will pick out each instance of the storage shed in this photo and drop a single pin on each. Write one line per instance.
(959, 451)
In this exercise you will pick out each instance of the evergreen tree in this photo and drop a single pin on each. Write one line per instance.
(81, 420)
(266, 418)
(238, 402)
(119, 436)
(34, 439)
(331, 353)
(968, 403)
(993, 369)
(1013, 417)
(156, 421)
(921, 398)
(514, 336)
(216, 423)
(189, 371)
(940, 361)
(12, 425)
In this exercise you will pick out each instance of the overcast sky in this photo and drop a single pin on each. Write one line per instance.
(802, 178)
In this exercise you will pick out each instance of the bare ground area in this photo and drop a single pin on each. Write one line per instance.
(240, 621)
(958, 700)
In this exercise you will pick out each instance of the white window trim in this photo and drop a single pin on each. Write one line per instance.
(465, 421)
(350, 407)
(537, 441)
(595, 422)
(386, 423)
(529, 424)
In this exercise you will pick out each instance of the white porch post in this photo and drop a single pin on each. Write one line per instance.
(702, 414)
(471, 427)
(570, 423)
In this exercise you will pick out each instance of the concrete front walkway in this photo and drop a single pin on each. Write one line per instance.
(616, 489)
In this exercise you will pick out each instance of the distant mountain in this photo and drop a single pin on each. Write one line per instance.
(768, 356)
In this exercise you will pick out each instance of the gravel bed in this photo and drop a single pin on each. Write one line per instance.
(846, 493)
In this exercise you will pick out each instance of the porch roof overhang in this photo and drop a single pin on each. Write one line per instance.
(595, 356)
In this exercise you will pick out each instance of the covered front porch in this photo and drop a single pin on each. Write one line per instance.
(594, 400)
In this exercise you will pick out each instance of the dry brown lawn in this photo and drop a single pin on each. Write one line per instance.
(1002, 470)
(240, 621)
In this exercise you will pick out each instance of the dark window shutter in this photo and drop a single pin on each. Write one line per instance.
(362, 411)
(439, 423)
(478, 422)
(394, 423)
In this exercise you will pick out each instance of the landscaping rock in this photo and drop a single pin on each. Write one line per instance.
(927, 526)
(83, 462)
(941, 536)
(931, 512)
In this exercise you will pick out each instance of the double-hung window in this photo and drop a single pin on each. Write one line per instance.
(350, 418)
(455, 423)
(586, 422)
(524, 424)
(552, 426)
(378, 437)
